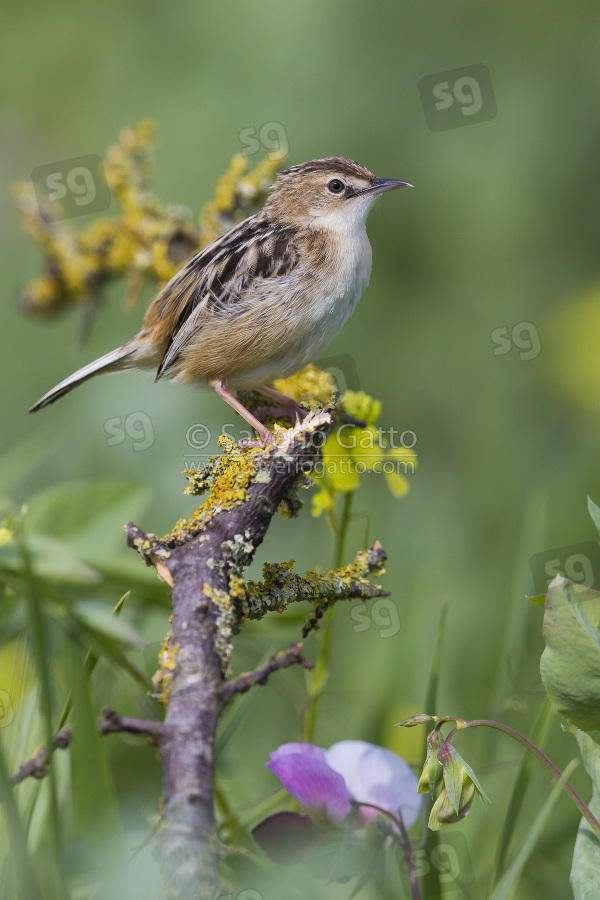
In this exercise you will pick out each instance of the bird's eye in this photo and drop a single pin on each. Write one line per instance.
(336, 186)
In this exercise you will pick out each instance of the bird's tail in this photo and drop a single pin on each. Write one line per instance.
(110, 362)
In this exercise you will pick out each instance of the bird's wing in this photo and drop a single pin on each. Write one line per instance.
(220, 274)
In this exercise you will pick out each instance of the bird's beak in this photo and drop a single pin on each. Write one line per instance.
(385, 184)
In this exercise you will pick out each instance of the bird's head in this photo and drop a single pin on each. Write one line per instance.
(332, 193)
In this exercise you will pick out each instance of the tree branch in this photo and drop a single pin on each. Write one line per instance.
(289, 657)
(203, 560)
(112, 723)
(36, 766)
(281, 586)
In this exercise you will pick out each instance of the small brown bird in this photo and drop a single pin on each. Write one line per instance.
(266, 298)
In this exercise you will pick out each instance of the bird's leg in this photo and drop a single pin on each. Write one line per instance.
(220, 388)
(275, 412)
(296, 412)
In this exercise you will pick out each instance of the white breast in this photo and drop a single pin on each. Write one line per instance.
(326, 309)
(318, 303)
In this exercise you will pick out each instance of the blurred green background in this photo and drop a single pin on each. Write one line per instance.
(502, 229)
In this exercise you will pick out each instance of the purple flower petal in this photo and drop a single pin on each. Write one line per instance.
(375, 775)
(308, 749)
(316, 787)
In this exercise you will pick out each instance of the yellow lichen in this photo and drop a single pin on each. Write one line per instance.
(235, 194)
(237, 588)
(163, 677)
(281, 586)
(147, 242)
(226, 477)
(311, 383)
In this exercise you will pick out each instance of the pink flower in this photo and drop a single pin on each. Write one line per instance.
(327, 783)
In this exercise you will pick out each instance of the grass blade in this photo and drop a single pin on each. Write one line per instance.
(509, 882)
(431, 880)
(528, 763)
(19, 853)
(41, 658)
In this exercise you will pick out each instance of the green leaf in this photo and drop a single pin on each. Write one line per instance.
(570, 664)
(94, 792)
(585, 871)
(100, 619)
(38, 626)
(89, 516)
(13, 619)
(103, 646)
(594, 512)
(125, 573)
(50, 558)
(22, 863)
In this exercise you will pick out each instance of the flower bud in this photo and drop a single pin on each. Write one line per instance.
(460, 785)
(443, 812)
(432, 770)
(416, 720)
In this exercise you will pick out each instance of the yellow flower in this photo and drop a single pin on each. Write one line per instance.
(360, 405)
(337, 466)
(365, 447)
(352, 451)
(574, 361)
(322, 502)
(399, 458)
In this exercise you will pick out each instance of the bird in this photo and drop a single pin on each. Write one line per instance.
(264, 299)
